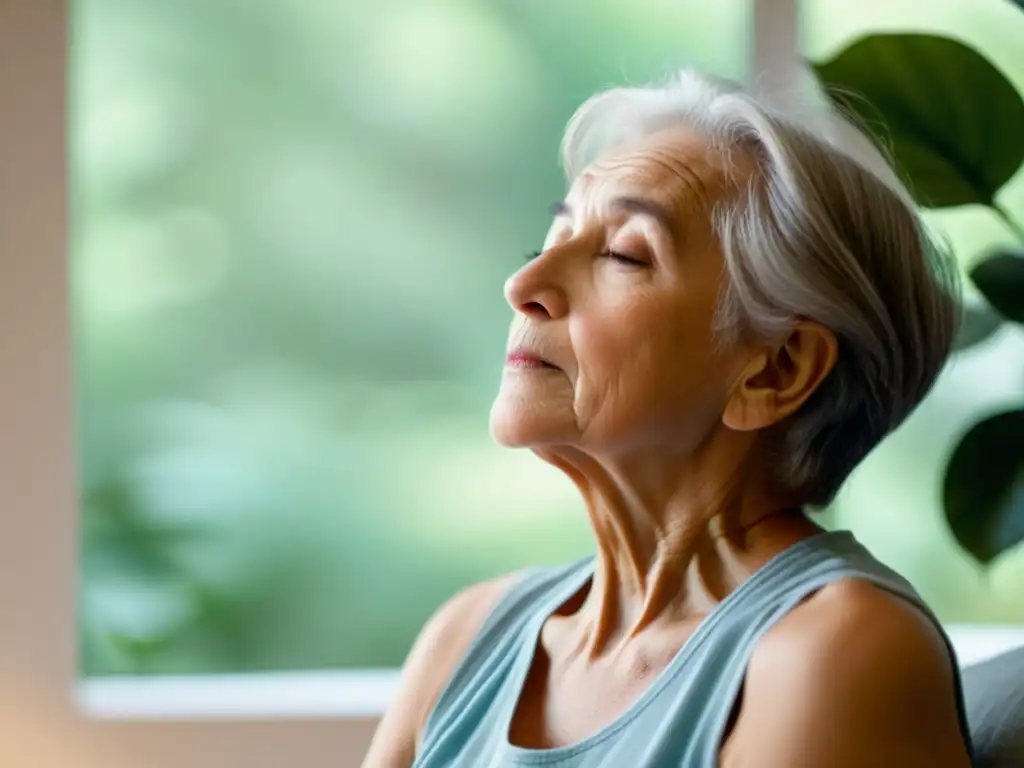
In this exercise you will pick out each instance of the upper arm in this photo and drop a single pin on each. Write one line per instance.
(853, 677)
(439, 647)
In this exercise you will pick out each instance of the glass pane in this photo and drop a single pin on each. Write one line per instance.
(291, 226)
(893, 501)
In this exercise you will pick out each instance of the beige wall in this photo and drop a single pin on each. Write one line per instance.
(38, 725)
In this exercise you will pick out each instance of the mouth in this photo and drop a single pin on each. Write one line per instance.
(527, 360)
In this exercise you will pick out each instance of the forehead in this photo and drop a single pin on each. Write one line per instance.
(675, 168)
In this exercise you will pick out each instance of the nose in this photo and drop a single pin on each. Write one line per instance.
(535, 290)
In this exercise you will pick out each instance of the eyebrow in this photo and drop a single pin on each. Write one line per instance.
(628, 204)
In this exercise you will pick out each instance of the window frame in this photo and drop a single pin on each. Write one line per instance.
(47, 716)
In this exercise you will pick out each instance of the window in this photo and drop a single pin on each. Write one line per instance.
(292, 225)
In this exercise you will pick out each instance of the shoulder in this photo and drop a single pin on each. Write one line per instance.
(853, 625)
(440, 645)
(446, 636)
(855, 675)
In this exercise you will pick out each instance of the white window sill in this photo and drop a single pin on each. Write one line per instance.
(326, 694)
(271, 695)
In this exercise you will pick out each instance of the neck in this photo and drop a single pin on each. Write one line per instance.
(673, 538)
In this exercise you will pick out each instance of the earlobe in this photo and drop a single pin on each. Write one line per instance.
(749, 410)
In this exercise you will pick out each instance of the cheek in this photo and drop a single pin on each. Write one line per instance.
(606, 344)
(620, 355)
(646, 360)
(644, 336)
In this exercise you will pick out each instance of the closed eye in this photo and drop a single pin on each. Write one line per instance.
(624, 258)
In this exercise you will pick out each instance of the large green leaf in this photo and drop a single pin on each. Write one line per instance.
(1000, 278)
(984, 486)
(952, 120)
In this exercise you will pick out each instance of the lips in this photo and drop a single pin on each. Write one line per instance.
(521, 358)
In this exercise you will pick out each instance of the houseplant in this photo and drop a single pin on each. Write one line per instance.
(954, 125)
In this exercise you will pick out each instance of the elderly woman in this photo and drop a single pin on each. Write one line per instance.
(727, 315)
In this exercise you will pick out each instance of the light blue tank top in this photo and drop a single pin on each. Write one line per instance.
(680, 720)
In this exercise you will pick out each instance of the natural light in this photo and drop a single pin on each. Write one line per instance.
(250, 359)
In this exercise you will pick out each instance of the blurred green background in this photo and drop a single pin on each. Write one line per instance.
(291, 222)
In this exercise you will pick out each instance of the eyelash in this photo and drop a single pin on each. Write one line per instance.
(622, 258)
(614, 255)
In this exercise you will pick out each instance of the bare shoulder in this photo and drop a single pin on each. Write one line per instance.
(440, 646)
(855, 675)
(446, 636)
(853, 622)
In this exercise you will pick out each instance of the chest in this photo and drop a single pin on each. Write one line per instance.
(562, 704)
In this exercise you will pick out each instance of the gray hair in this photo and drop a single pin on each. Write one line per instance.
(818, 231)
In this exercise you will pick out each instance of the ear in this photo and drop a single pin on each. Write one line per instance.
(778, 379)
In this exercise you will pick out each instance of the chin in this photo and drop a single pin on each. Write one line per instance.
(518, 424)
(509, 428)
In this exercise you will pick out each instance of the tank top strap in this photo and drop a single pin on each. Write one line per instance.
(779, 588)
(493, 650)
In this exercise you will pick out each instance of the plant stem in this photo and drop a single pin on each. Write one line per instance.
(1008, 220)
